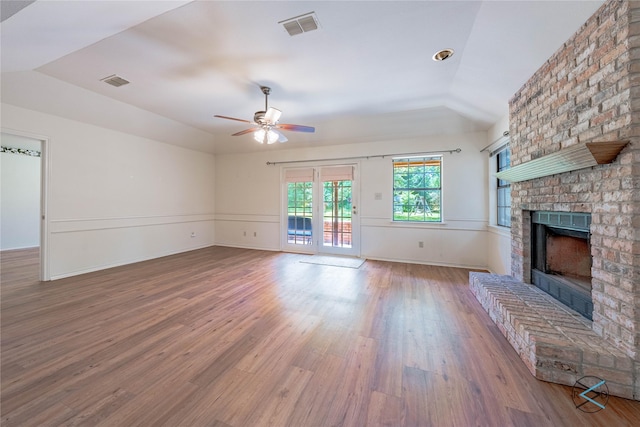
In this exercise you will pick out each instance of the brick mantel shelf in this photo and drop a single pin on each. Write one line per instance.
(573, 158)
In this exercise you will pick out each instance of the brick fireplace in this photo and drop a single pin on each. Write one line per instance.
(588, 91)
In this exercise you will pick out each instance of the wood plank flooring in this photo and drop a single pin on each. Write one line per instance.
(235, 337)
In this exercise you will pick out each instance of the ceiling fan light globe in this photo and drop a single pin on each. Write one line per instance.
(266, 136)
(272, 137)
(272, 115)
(259, 136)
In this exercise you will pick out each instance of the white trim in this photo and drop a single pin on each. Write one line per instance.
(89, 224)
(499, 229)
(247, 217)
(136, 217)
(439, 264)
(481, 226)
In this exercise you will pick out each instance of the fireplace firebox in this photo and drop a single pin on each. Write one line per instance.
(561, 258)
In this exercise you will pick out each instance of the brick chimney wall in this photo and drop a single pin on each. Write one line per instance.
(589, 90)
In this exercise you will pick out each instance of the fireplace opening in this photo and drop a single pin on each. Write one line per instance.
(561, 258)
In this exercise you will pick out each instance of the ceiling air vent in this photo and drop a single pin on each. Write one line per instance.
(300, 24)
(114, 80)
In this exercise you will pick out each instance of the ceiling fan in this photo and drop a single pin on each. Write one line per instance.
(266, 123)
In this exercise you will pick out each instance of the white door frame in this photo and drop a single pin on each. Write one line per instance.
(317, 247)
(44, 198)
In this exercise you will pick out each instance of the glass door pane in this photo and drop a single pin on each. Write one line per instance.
(336, 227)
(299, 213)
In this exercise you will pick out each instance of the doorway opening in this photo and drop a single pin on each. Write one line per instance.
(24, 189)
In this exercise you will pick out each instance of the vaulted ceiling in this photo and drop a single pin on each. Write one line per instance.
(365, 74)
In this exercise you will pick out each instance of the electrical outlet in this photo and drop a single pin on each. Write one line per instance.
(377, 196)
(193, 234)
(421, 244)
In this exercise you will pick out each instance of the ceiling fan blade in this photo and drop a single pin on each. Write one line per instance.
(296, 128)
(281, 137)
(232, 118)
(272, 115)
(246, 131)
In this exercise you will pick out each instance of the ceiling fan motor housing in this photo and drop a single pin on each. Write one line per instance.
(258, 117)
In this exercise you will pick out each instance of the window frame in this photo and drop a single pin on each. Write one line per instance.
(407, 201)
(503, 211)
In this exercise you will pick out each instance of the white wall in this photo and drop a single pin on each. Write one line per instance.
(20, 201)
(498, 238)
(116, 198)
(248, 200)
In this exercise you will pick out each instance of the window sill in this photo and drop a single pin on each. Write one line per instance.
(409, 224)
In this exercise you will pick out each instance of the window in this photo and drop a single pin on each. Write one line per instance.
(417, 191)
(504, 190)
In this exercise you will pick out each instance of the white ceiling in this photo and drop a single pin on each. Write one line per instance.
(366, 74)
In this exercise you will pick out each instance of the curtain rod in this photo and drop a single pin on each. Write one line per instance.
(457, 150)
(504, 135)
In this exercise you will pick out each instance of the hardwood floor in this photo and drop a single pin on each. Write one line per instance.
(234, 337)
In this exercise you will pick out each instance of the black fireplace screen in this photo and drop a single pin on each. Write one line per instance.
(561, 258)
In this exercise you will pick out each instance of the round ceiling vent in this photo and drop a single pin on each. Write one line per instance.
(443, 54)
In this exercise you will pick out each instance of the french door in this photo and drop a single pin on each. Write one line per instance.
(321, 210)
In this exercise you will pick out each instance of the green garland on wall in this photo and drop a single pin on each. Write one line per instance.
(11, 150)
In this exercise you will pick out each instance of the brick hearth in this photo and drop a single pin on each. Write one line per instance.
(557, 344)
